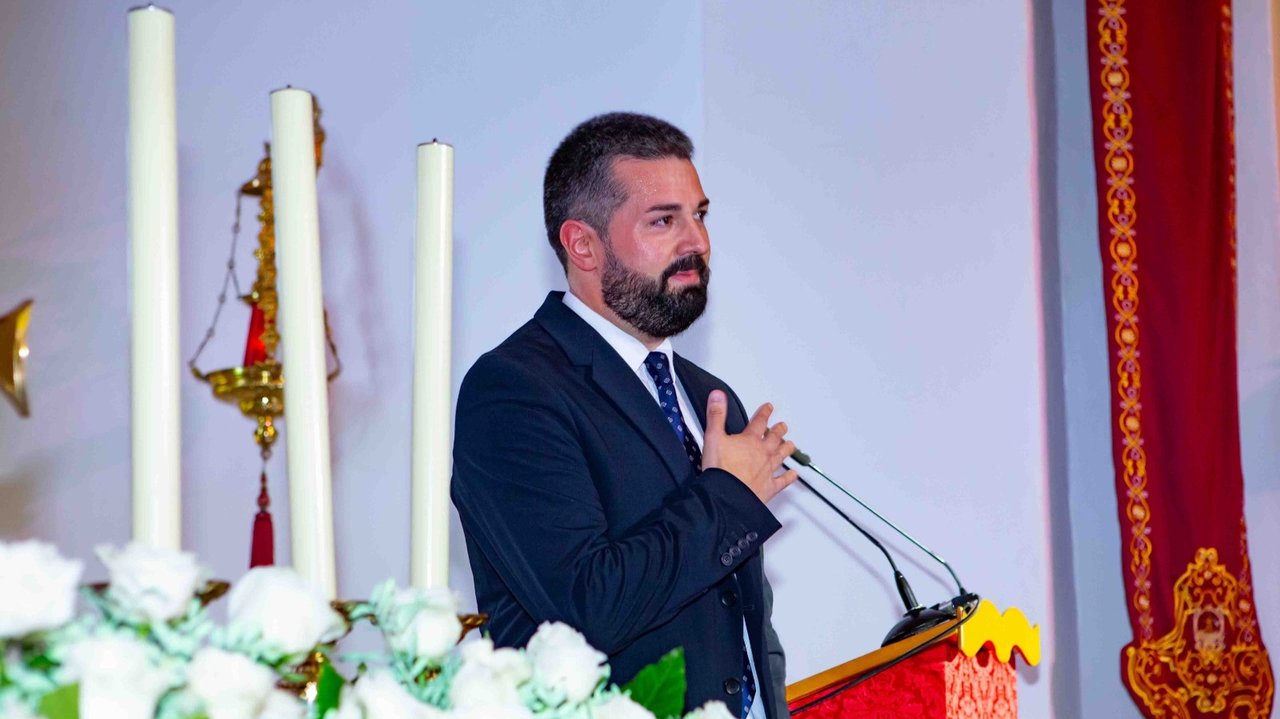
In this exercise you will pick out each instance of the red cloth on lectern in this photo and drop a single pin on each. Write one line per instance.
(938, 683)
(1160, 74)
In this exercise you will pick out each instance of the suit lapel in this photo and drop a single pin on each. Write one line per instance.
(698, 385)
(620, 384)
(615, 380)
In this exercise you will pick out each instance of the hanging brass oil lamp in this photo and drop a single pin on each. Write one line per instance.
(256, 386)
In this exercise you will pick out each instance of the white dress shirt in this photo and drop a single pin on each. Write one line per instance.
(634, 352)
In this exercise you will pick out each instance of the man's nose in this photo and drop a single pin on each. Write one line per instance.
(694, 241)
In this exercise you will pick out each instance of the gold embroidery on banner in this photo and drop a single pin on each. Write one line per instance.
(1117, 130)
(1204, 662)
(1248, 621)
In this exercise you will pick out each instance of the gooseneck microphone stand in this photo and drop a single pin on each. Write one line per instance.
(917, 618)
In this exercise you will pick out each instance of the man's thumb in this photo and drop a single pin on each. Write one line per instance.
(717, 407)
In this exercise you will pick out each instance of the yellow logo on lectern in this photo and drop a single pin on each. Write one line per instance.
(1005, 631)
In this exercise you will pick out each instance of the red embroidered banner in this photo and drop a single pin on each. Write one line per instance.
(1165, 150)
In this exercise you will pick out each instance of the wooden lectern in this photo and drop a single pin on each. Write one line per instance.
(963, 669)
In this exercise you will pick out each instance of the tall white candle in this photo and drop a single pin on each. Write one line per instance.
(153, 280)
(301, 316)
(432, 388)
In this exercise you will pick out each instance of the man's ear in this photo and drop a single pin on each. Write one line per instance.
(581, 245)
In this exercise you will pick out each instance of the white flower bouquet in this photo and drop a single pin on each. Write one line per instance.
(149, 650)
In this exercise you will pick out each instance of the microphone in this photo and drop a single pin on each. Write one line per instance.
(917, 617)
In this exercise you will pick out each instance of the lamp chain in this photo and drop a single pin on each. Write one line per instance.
(229, 279)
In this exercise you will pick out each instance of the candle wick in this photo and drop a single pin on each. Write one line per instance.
(435, 141)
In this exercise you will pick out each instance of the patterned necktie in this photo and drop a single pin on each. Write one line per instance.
(659, 369)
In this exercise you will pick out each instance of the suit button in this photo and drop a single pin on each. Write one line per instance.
(726, 559)
(729, 598)
(732, 686)
(743, 544)
(752, 536)
(735, 552)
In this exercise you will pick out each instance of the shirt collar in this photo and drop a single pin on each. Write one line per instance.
(632, 350)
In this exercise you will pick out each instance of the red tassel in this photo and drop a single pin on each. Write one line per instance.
(262, 552)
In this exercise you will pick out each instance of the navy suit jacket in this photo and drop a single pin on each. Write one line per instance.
(579, 505)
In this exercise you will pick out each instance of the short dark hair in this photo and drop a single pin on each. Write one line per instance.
(579, 183)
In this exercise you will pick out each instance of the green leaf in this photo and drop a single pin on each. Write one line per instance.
(328, 689)
(61, 703)
(660, 687)
(41, 663)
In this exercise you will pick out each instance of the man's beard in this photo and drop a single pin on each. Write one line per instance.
(647, 304)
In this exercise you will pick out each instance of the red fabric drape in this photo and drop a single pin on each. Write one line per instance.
(1164, 146)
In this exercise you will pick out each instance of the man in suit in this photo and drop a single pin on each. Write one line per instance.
(603, 480)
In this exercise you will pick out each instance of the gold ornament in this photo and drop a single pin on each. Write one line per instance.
(303, 679)
(1207, 663)
(13, 356)
(258, 389)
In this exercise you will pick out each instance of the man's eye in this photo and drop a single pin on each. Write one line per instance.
(663, 221)
(701, 215)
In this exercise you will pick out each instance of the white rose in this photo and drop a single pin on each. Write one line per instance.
(711, 710)
(488, 677)
(151, 584)
(565, 667)
(120, 677)
(291, 614)
(620, 706)
(280, 704)
(509, 664)
(232, 686)
(39, 588)
(12, 708)
(427, 622)
(491, 712)
(378, 695)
